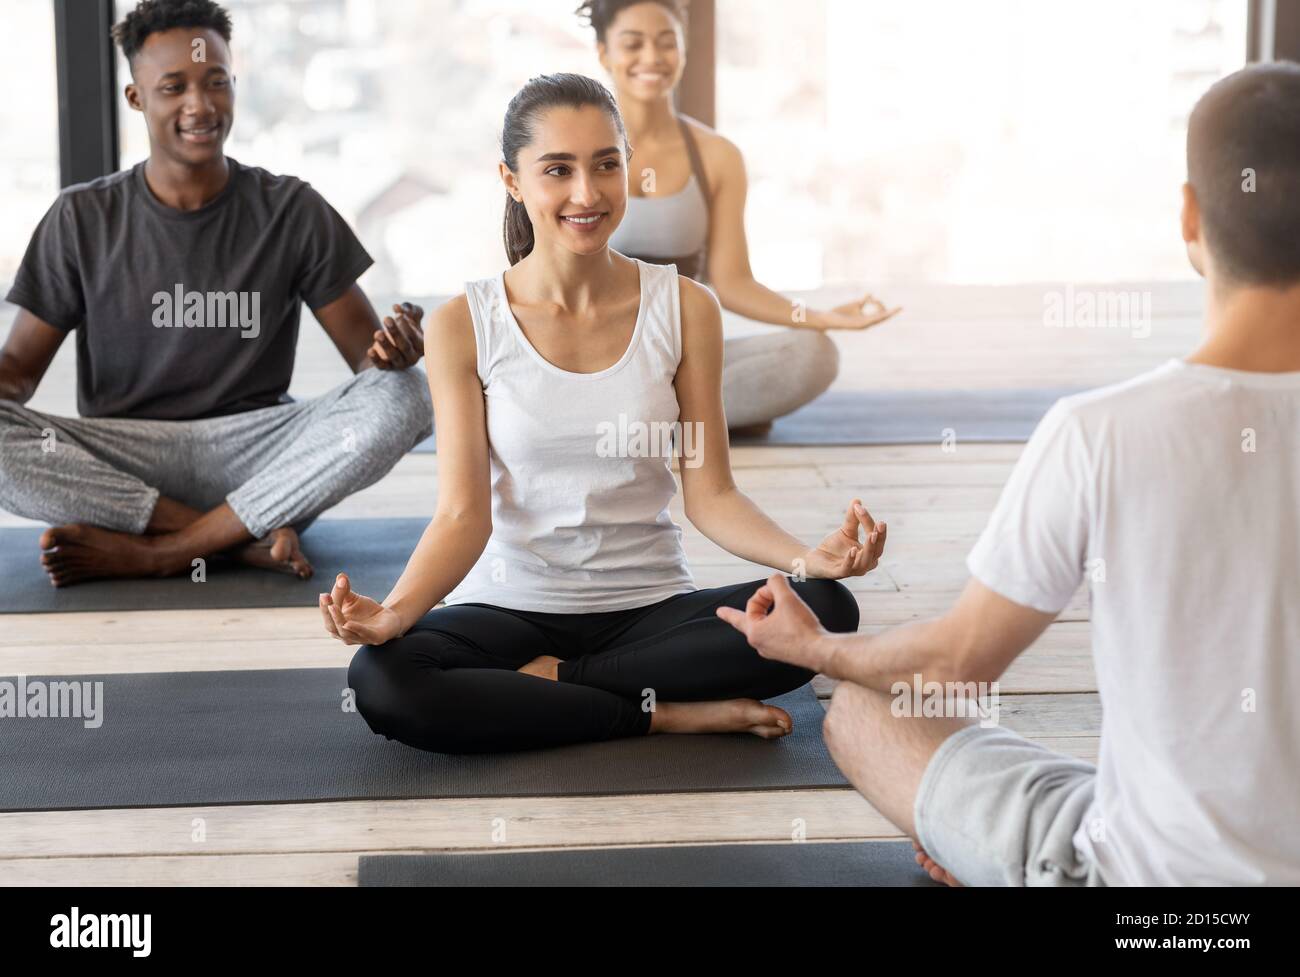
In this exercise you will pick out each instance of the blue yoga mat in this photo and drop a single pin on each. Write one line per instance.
(373, 552)
(269, 736)
(869, 417)
(862, 863)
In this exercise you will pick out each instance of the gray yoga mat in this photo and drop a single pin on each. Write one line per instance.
(373, 552)
(280, 735)
(874, 863)
(871, 417)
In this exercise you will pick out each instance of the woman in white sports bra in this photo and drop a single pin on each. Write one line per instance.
(562, 388)
(686, 206)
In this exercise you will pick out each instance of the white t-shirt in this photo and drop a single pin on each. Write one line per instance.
(1177, 495)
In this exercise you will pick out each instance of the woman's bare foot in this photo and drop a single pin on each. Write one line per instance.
(933, 868)
(74, 553)
(726, 716)
(543, 666)
(277, 550)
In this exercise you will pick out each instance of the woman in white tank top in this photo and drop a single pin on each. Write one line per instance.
(561, 390)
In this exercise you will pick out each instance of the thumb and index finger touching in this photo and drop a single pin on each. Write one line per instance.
(760, 604)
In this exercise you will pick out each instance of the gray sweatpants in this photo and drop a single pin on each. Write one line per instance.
(769, 374)
(275, 466)
(994, 808)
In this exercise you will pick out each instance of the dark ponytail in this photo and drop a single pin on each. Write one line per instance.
(599, 14)
(518, 231)
(542, 93)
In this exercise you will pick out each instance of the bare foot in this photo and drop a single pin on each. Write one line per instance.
(74, 553)
(934, 869)
(543, 666)
(726, 716)
(277, 550)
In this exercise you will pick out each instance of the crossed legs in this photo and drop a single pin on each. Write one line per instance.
(145, 498)
(770, 374)
(884, 756)
(474, 678)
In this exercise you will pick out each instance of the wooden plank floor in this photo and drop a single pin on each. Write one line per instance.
(936, 504)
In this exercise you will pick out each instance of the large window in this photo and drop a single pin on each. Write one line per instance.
(929, 140)
(29, 133)
(953, 141)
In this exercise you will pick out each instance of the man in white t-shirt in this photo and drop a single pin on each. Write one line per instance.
(1176, 494)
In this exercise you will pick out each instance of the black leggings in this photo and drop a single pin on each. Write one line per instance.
(451, 684)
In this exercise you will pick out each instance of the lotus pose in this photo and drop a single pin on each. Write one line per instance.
(571, 614)
(686, 206)
(184, 279)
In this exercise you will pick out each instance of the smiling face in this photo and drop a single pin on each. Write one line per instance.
(186, 91)
(644, 52)
(572, 178)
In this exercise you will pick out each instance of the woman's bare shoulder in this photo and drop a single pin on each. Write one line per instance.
(720, 154)
(450, 329)
(452, 315)
(699, 304)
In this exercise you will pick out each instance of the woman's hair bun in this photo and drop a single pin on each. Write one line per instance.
(599, 14)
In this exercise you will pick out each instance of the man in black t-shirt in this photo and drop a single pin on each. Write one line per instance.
(184, 279)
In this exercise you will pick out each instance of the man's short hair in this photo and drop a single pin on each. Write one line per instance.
(152, 16)
(1243, 162)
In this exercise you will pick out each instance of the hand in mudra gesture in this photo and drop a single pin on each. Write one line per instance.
(847, 552)
(355, 619)
(861, 313)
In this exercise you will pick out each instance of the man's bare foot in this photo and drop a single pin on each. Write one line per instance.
(726, 716)
(277, 550)
(74, 553)
(934, 869)
(543, 666)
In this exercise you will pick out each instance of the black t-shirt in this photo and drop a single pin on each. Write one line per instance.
(185, 314)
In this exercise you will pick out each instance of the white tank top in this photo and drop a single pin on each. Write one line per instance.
(580, 464)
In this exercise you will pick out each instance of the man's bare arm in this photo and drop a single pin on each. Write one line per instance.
(27, 354)
(364, 342)
(974, 642)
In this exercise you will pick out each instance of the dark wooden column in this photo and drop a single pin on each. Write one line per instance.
(87, 74)
(1273, 30)
(1286, 31)
(696, 93)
